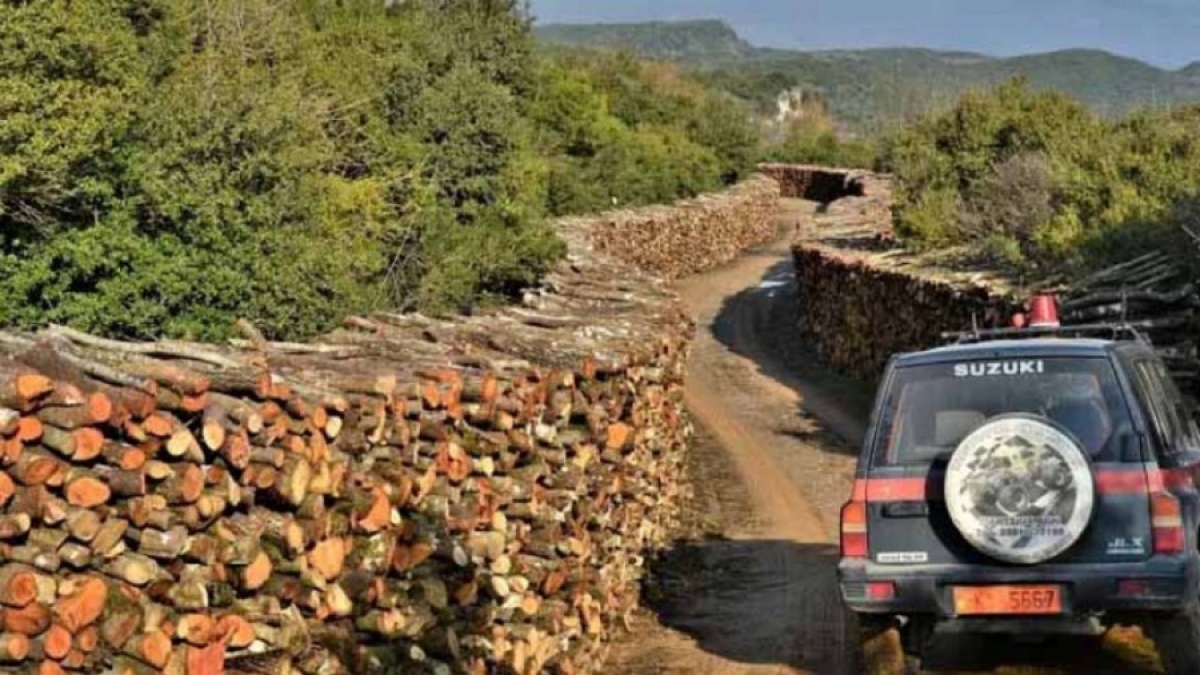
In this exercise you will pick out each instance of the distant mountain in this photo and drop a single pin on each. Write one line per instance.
(871, 87)
(677, 41)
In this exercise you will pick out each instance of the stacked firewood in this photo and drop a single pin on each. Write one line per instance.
(869, 209)
(1153, 293)
(851, 197)
(856, 314)
(814, 183)
(692, 236)
(406, 494)
(177, 507)
(861, 300)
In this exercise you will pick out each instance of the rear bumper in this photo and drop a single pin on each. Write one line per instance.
(1087, 589)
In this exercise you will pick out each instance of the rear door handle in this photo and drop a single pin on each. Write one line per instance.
(906, 510)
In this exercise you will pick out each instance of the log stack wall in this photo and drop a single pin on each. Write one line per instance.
(817, 183)
(855, 315)
(406, 494)
(689, 237)
(860, 299)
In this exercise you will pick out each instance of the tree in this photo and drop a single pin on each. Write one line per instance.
(169, 166)
(1039, 178)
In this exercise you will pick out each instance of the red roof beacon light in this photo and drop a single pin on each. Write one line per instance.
(1043, 312)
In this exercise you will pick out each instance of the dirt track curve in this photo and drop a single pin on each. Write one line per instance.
(751, 588)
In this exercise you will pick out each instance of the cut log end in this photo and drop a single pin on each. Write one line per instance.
(57, 642)
(31, 386)
(152, 648)
(87, 492)
(99, 407)
(14, 647)
(89, 443)
(82, 609)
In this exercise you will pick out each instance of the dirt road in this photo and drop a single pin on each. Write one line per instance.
(751, 588)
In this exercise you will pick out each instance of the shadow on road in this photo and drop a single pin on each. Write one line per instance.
(1106, 655)
(763, 602)
(759, 323)
(771, 602)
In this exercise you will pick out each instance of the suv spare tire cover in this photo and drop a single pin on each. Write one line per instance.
(1020, 489)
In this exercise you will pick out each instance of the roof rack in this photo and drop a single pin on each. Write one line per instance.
(1128, 330)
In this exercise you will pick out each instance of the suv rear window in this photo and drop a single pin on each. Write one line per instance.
(930, 409)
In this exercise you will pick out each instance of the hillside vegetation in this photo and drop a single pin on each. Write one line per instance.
(167, 166)
(1038, 182)
(664, 40)
(1050, 164)
(873, 88)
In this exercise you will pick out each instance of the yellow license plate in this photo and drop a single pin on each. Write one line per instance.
(970, 600)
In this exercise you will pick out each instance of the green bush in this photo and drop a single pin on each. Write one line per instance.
(928, 219)
(619, 131)
(824, 148)
(1012, 202)
(1038, 182)
(810, 137)
(167, 166)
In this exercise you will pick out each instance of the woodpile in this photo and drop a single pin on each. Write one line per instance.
(692, 236)
(856, 315)
(861, 300)
(406, 494)
(1154, 293)
(851, 197)
(815, 183)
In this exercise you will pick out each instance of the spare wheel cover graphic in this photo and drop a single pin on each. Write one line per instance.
(1020, 489)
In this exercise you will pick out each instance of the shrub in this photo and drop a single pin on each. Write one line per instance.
(928, 219)
(1012, 201)
(1036, 171)
(168, 166)
(811, 138)
(619, 131)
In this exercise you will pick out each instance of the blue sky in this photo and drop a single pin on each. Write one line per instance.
(1163, 32)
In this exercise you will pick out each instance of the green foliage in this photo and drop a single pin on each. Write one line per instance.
(620, 131)
(927, 218)
(70, 80)
(1037, 181)
(1008, 207)
(682, 40)
(811, 139)
(761, 88)
(167, 166)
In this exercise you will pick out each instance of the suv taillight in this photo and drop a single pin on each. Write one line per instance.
(1167, 520)
(854, 530)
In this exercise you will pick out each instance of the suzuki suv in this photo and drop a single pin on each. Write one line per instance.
(1036, 485)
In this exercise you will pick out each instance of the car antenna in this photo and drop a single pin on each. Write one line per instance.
(1125, 311)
